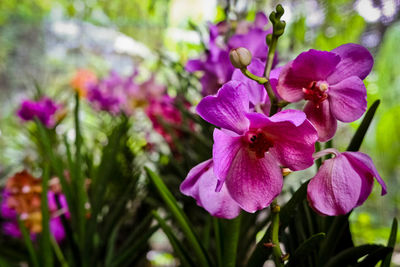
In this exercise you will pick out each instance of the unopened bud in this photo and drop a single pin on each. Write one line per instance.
(240, 57)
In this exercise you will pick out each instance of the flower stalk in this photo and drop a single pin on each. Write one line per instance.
(272, 40)
(276, 248)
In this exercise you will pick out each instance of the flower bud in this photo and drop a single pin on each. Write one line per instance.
(240, 57)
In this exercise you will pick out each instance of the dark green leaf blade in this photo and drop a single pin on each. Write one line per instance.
(391, 243)
(358, 137)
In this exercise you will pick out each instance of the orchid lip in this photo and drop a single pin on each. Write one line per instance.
(258, 142)
(317, 92)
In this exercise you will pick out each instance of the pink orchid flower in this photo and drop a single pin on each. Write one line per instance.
(342, 183)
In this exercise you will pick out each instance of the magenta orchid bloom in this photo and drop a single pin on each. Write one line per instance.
(342, 183)
(250, 147)
(200, 184)
(332, 84)
(44, 109)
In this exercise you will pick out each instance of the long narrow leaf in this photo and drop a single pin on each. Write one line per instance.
(391, 243)
(373, 258)
(351, 255)
(28, 243)
(307, 247)
(45, 244)
(180, 217)
(363, 128)
(183, 256)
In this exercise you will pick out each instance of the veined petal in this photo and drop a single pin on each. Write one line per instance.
(297, 117)
(225, 149)
(200, 184)
(348, 99)
(228, 108)
(335, 189)
(322, 119)
(253, 183)
(364, 164)
(309, 66)
(355, 60)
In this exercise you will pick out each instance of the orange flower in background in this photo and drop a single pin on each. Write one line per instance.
(82, 79)
(24, 197)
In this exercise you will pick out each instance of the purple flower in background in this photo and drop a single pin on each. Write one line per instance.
(258, 96)
(216, 66)
(332, 84)
(254, 38)
(110, 93)
(44, 109)
(200, 184)
(342, 183)
(250, 147)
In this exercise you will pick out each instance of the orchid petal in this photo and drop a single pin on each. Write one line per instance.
(322, 119)
(225, 149)
(227, 109)
(335, 189)
(355, 60)
(253, 183)
(365, 165)
(348, 99)
(200, 184)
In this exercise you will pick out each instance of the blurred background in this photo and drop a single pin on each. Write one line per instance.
(43, 43)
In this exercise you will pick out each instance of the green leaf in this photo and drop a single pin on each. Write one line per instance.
(373, 258)
(178, 248)
(333, 237)
(391, 243)
(351, 255)
(307, 247)
(179, 216)
(79, 180)
(45, 243)
(128, 255)
(28, 243)
(362, 129)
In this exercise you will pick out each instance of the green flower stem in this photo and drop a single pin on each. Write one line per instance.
(248, 74)
(270, 56)
(276, 249)
(267, 71)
